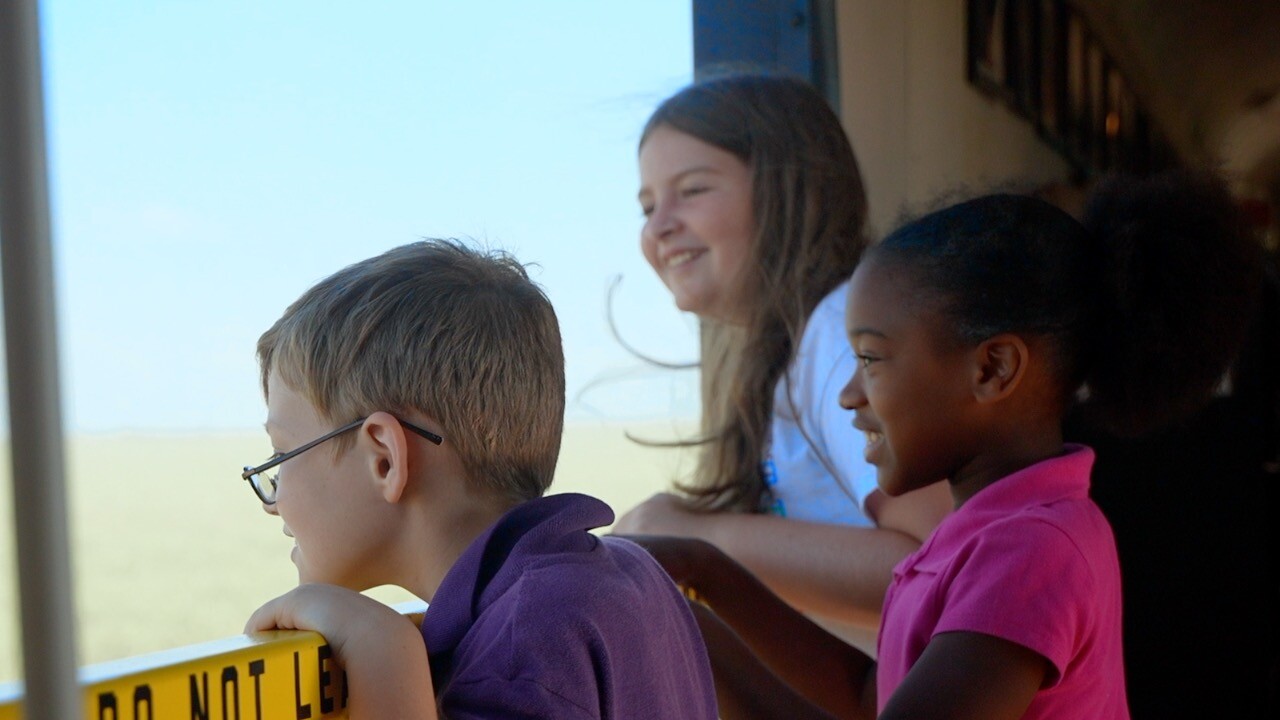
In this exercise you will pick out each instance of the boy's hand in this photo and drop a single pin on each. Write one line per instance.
(336, 613)
(381, 651)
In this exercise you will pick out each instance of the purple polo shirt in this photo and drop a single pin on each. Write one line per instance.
(1029, 559)
(541, 619)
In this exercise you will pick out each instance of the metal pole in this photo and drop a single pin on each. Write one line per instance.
(35, 422)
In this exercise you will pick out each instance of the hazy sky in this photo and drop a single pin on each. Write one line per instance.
(211, 159)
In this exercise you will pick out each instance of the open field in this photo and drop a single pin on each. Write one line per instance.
(171, 548)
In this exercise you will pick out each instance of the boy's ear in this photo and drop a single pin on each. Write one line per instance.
(1001, 363)
(388, 454)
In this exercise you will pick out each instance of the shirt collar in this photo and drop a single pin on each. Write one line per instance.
(1060, 477)
(492, 562)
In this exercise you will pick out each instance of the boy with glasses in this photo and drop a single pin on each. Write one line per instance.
(415, 403)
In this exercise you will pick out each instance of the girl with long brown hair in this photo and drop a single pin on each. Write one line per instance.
(755, 214)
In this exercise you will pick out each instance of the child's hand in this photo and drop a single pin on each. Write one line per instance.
(381, 651)
(662, 514)
(336, 613)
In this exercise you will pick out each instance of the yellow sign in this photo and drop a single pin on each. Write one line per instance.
(277, 675)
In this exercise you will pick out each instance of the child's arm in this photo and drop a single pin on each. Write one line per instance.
(381, 651)
(834, 571)
(963, 675)
(745, 688)
(799, 658)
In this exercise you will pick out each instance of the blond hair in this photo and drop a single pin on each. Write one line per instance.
(460, 335)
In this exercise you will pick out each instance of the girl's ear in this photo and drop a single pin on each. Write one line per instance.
(388, 454)
(1001, 365)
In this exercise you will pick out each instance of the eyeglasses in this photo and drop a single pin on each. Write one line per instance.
(263, 478)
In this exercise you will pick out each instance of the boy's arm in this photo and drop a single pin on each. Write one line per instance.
(381, 651)
(750, 620)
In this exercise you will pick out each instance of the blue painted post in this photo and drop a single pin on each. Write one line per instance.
(796, 37)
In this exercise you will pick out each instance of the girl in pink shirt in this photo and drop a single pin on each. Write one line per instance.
(976, 327)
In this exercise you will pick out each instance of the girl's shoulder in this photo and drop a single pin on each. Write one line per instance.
(830, 310)
(823, 362)
(824, 331)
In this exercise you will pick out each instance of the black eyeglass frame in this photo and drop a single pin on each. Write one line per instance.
(249, 472)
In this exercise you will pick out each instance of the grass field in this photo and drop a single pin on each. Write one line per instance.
(171, 548)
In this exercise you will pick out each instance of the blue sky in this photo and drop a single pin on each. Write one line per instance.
(210, 160)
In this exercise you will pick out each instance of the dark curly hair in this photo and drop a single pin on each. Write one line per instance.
(1146, 302)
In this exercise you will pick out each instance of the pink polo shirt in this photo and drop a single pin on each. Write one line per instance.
(1029, 559)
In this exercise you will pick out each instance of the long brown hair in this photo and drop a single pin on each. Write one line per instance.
(809, 208)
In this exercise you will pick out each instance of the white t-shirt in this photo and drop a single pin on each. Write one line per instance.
(799, 485)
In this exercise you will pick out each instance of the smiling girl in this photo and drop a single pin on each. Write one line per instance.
(754, 213)
(976, 328)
